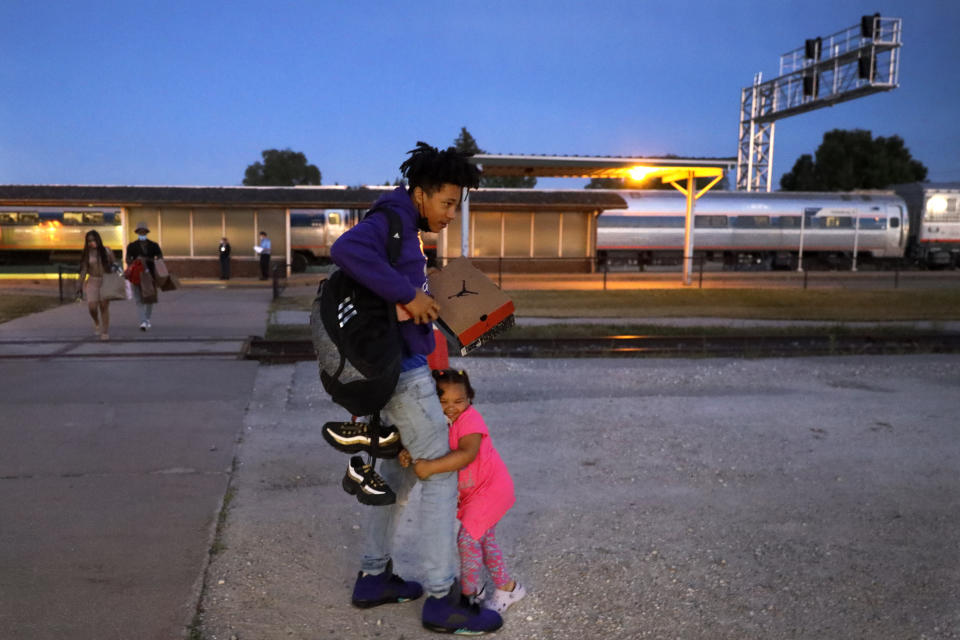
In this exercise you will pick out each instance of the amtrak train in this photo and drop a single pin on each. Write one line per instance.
(33, 235)
(764, 230)
(312, 231)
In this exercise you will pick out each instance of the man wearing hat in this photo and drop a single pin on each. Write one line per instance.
(146, 251)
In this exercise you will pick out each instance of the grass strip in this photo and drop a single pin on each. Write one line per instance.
(16, 305)
(831, 305)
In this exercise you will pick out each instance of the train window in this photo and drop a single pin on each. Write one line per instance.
(751, 222)
(648, 222)
(834, 222)
(710, 221)
(9, 217)
(788, 222)
(334, 218)
(84, 218)
(894, 223)
(873, 222)
(307, 219)
(30, 217)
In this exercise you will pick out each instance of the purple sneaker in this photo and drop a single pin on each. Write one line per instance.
(383, 588)
(453, 613)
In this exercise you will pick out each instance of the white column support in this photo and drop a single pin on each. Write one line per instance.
(856, 240)
(289, 263)
(442, 239)
(803, 224)
(688, 230)
(124, 232)
(465, 224)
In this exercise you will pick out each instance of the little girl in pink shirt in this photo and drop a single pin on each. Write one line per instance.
(486, 491)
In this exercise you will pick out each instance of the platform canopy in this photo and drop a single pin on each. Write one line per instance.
(596, 166)
(679, 172)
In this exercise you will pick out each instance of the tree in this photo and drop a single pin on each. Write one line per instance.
(281, 168)
(606, 183)
(465, 143)
(853, 159)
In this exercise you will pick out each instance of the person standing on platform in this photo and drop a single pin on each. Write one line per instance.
(429, 202)
(146, 251)
(95, 261)
(264, 256)
(224, 259)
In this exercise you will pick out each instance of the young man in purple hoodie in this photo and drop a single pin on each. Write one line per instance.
(429, 202)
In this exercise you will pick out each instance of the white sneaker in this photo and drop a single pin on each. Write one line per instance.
(149, 326)
(501, 600)
(143, 326)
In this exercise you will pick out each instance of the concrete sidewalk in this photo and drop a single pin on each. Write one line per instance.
(113, 469)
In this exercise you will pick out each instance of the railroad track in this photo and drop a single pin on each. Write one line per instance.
(279, 351)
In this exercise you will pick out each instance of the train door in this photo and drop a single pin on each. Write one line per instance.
(898, 221)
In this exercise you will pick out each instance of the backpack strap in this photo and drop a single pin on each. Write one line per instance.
(394, 232)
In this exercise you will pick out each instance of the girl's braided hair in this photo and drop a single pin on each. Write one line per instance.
(453, 376)
(430, 169)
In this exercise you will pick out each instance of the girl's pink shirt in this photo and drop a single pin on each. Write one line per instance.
(486, 488)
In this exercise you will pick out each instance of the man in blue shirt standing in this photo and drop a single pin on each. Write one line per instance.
(429, 202)
(264, 256)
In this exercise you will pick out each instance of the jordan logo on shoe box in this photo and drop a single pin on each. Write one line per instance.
(472, 308)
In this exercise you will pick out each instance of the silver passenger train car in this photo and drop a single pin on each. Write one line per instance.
(313, 231)
(768, 230)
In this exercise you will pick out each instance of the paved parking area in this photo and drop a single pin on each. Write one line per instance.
(694, 499)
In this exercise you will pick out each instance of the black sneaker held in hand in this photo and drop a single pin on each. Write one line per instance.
(357, 437)
(363, 481)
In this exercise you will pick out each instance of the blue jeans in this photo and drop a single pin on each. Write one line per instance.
(415, 410)
(145, 310)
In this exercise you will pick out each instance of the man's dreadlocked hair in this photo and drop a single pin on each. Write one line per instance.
(430, 169)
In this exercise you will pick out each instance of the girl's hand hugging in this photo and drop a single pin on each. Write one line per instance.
(422, 468)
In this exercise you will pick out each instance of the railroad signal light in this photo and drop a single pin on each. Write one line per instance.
(868, 26)
(866, 68)
(812, 48)
(811, 84)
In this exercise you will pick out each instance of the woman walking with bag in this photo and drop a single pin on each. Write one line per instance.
(145, 284)
(95, 261)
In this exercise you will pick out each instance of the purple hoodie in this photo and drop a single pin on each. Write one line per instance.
(362, 254)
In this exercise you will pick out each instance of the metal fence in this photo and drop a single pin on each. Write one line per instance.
(594, 273)
(72, 275)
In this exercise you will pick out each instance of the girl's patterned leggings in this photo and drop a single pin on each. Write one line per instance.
(474, 555)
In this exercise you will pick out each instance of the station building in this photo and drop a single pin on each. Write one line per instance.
(514, 230)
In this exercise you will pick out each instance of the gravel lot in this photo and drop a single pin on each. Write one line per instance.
(686, 499)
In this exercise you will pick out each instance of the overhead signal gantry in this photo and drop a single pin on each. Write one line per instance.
(855, 62)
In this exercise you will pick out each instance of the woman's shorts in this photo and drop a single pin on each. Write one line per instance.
(91, 289)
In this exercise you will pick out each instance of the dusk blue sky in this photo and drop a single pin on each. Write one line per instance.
(190, 93)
